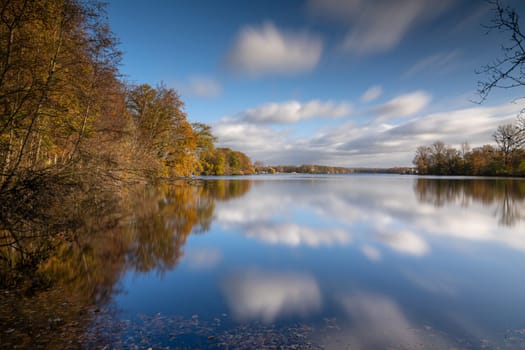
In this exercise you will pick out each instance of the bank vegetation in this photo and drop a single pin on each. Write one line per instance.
(74, 136)
(507, 158)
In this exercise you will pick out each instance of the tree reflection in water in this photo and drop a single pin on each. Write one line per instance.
(146, 231)
(506, 195)
(164, 216)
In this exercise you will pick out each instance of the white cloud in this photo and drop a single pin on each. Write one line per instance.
(296, 235)
(372, 93)
(266, 296)
(201, 86)
(438, 63)
(294, 111)
(249, 137)
(268, 50)
(383, 30)
(403, 105)
(454, 127)
(376, 25)
(381, 140)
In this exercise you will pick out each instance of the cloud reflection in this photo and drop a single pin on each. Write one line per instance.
(372, 253)
(324, 213)
(378, 322)
(507, 195)
(203, 258)
(296, 235)
(405, 242)
(375, 312)
(438, 283)
(265, 296)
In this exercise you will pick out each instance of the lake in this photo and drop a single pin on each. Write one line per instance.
(334, 262)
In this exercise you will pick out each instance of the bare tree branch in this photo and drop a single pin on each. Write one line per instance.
(507, 71)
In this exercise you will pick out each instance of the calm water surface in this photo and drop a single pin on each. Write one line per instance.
(362, 261)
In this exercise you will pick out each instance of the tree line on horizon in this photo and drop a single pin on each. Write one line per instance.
(260, 168)
(506, 159)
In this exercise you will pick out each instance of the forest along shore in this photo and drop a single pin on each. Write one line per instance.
(74, 136)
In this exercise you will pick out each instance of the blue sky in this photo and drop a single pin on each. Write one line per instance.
(334, 82)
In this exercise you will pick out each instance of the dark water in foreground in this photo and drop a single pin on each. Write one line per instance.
(335, 262)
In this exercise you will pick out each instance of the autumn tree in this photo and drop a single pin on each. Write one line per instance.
(164, 138)
(224, 161)
(439, 159)
(58, 91)
(72, 133)
(56, 58)
(422, 159)
(205, 147)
